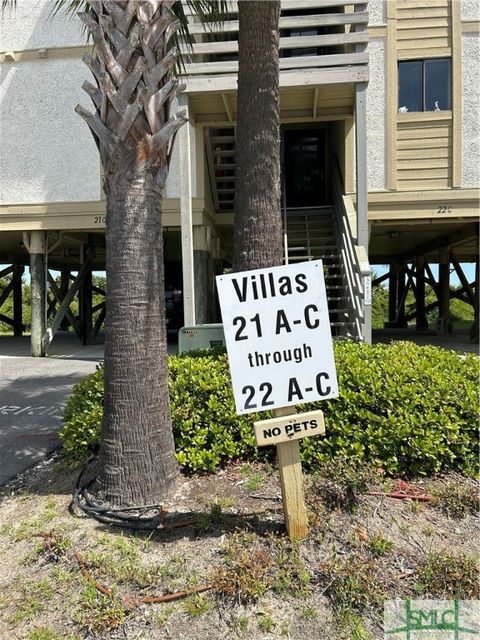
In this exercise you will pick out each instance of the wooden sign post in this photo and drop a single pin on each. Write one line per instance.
(291, 481)
(285, 429)
(294, 509)
(280, 352)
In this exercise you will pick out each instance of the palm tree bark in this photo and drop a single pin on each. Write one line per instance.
(133, 128)
(258, 221)
(137, 462)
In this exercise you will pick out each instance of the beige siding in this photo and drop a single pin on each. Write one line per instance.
(424, 154)
(423, 29)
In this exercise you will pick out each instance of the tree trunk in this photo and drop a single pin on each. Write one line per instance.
(137, 464)
(133, 127)
(258, 221)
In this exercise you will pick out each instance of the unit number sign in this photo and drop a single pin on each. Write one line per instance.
(278, 337)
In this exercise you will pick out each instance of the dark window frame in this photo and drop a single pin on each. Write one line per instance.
(423, 98)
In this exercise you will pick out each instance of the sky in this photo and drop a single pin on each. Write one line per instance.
(468, 268)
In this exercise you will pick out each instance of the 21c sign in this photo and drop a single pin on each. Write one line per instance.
(278, 336)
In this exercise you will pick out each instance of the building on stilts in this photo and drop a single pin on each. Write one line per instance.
(380, 131)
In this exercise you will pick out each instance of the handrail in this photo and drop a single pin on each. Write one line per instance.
(290, 42)
(333, 34)
(350, 259)
(285, 64)
(311, 20)
(232, 5)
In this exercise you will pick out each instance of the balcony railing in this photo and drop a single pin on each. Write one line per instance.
(319, 37)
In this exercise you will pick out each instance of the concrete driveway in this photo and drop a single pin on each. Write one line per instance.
(33, 392)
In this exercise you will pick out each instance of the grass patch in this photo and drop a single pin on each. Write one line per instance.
(98, 613)
(338, 484)
(47, 633)
(353, 583)
(197, 605)
(446, 575)
(163, 615)
(252, 566)
(456, 499)
(224, 503)
(31, 596)
(291, 573)
(308, 613)
(380, 546)
(26, 528)
(120, 558)
(26, 610)
(266, 623)
(239, 624)
(245, 574)
(254, 480)
(215, 518)
(349, 625)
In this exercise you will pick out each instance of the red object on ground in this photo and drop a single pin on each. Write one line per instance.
(405, 491)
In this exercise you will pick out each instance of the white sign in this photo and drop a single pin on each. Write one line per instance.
(278, 336)
(367, 288)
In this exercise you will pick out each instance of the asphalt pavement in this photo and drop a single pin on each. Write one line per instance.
(33, 393)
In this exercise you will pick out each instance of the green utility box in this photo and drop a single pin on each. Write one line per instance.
(201, 336)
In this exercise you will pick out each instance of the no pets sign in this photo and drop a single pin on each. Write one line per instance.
(278, 337)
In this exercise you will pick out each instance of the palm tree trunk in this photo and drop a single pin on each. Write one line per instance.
(136, 461)
(258, 221)
(133, 128)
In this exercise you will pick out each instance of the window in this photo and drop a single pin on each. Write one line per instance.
(424, 85)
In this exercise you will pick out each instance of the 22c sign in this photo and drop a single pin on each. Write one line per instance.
(444, 208)
(295, 392)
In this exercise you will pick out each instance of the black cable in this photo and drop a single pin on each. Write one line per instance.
(117, 516)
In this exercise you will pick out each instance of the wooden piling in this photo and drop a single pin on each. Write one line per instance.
(38, 292)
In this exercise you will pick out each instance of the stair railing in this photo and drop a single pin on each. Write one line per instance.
(350, 260)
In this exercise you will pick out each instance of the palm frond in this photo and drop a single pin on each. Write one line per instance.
(69, 6)
(8, 4)
(208, 11)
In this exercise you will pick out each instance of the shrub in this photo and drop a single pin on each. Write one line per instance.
(405, 408)
(83, 417)
(408, 409)
(206, 428)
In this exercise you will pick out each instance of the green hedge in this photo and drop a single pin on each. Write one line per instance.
(405, 408)
(408, 409)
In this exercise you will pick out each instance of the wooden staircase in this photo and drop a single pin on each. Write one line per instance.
(220, 148)
(311, 235)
